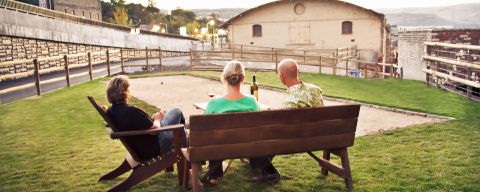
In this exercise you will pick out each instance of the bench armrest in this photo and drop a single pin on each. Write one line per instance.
(116, 135)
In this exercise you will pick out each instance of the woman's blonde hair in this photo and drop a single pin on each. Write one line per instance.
(233, 73)
(118, 90)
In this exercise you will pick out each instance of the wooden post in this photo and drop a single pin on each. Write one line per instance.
(346, 67)
(160, 57)
(108, 63)
(67, 71)
(274, 55)
(276, 61)
(146, 59)
(241, 51)
(37, 76)
(334, 69)
(233, 54)
(304, 60)
(320, 65)
(191, 62)
(90, 73)
(401, 73)
(365, 71)
(121, 60)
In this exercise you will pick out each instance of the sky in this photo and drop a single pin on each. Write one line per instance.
(370, 4)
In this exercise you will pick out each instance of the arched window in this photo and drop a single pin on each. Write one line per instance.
(347, 27)
(256, 30)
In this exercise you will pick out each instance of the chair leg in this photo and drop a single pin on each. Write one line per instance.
(169, 169)
(180, 169)
(140, 173)
(346, 167)
(326, 156)
(186, 174)
(123, 168)
(196, 184)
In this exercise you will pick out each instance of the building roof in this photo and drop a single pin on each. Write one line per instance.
(233, 19)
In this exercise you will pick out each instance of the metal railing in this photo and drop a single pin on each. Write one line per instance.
(453, 67)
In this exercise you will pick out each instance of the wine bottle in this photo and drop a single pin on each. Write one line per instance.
(254, 87)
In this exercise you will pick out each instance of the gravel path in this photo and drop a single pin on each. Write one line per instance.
(183, 91)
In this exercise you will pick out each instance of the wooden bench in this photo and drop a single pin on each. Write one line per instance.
(142, 169)
(276, 132)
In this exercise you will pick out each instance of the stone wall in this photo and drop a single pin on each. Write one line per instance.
(25, 36)
(16, 48)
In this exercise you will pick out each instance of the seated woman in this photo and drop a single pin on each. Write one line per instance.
(234, 101)
(126, 117)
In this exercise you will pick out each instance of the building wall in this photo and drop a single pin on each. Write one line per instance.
(410, 51)
(322, 21)
(86, 8)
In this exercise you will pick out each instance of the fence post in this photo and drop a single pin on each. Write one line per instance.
(334, 69)
(121, 60)
(233, 54)
(391, 70)
(320, 65)
(276, 61)
(90, 73)
(241, 51)
(365, 71)
(108, 63)
(346, 67)
(146, 59)
(427, 75)
(191, 57)
(160, 57)
(67, 71)
(37, 76)
(304, 60)
(401, 73)
(273, 55)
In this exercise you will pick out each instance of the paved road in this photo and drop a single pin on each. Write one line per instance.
(168, 63)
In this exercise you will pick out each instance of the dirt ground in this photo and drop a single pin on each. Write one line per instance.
(183, 91)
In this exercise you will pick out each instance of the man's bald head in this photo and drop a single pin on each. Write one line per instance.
(288, 68)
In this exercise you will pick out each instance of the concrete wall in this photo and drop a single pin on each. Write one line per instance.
(91, 9)
(18, 24)
(319, 27)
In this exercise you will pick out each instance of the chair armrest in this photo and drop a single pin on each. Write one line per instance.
(116, 135)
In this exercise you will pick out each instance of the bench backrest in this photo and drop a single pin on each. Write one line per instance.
(253, 134)
(110, 127)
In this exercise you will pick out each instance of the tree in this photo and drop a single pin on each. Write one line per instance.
(191, 28)
(120, 16)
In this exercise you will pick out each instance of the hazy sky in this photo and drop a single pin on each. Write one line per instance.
(370, 4)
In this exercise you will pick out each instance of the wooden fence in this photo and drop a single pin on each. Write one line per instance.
(71, 61)
(334, 59)
(453, 67)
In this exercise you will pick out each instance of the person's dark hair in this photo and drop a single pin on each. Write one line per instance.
(117, 90)
(233, 73)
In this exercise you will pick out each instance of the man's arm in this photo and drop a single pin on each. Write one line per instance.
(157, 117)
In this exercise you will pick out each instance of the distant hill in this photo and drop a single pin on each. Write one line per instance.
(225, 13)
(460, 15)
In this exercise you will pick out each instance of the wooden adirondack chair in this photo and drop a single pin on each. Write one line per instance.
(142, 169)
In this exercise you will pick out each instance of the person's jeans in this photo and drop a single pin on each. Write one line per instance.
(172, 117)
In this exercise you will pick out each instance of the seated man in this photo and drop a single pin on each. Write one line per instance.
(300, 94)
(126, 117)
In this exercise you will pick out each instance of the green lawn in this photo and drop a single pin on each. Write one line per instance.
(56, 142)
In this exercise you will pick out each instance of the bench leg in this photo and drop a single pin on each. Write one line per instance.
(169, 169)
(180, 169)
(194, 173)
(326, 156)
(123, 168)
(186, 174)
(347, 174)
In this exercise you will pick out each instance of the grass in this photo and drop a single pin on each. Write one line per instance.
(56, 142)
